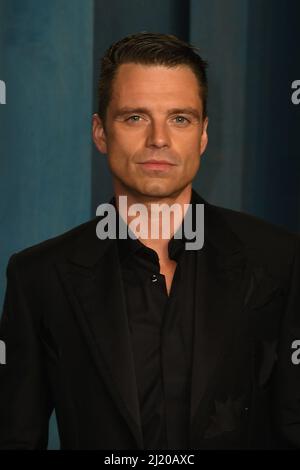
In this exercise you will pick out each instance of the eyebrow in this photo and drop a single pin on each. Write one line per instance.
(189, 110)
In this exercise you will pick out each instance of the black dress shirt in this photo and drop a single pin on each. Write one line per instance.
(161, 327)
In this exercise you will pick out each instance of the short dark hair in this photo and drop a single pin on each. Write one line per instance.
(149, 49)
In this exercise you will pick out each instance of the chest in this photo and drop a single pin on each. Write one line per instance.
(168, 270)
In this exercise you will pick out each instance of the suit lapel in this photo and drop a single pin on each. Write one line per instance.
(229, 285)
(222, 278)
(92, 279)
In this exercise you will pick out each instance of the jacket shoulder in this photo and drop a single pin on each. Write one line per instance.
(264, 241)
(54, 248)
(251, 228)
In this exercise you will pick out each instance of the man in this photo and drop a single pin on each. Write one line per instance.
(142, 343)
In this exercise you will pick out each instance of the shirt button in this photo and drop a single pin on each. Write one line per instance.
(154, 278)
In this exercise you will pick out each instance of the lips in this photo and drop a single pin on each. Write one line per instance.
(158, 165)
(159, 162)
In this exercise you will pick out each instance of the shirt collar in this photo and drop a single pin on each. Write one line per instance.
(130, 246)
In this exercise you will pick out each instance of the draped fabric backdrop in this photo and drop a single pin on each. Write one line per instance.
(51, 177)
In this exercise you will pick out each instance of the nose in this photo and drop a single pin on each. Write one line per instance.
(158, 135)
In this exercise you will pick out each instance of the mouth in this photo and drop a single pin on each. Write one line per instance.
(160, 165)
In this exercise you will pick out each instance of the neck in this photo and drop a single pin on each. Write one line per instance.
(153, 215)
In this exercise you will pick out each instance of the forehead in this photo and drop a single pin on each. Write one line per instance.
(143, 85)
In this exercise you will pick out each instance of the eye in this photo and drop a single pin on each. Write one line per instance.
(181, 120)
(133, 118)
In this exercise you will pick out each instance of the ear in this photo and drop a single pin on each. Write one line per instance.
(99, 136)
(204, 136)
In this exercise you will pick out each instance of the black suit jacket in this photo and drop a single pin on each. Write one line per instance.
(68, 343)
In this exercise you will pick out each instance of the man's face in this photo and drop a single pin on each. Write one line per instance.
(154, 131)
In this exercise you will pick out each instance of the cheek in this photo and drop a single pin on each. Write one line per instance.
(191, 152)
(121, 143)
(120, 152)
(189, 142)
(193, 165)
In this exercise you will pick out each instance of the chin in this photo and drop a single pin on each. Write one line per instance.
(158, 191)
(153, 188)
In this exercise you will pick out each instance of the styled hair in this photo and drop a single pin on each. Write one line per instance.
(149, 49)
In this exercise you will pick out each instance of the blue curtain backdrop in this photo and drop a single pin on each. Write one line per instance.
(46, 61)
(51, 177)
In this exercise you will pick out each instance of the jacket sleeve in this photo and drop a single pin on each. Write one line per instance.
(287, 401)
(25, 403)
